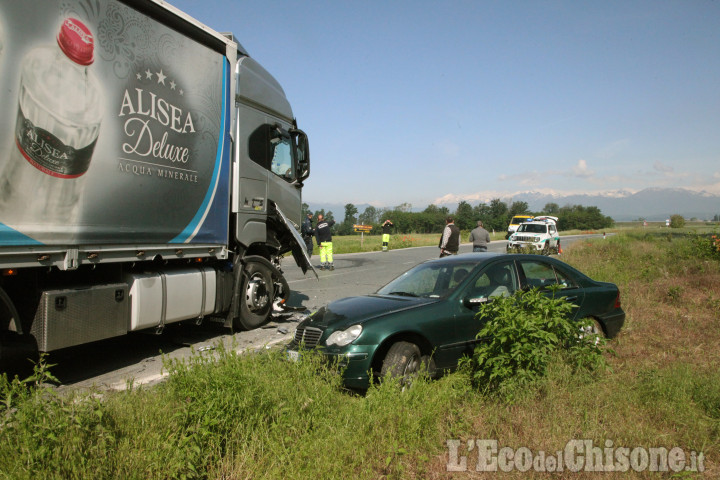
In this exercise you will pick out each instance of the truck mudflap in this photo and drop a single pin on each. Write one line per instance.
(298, 248)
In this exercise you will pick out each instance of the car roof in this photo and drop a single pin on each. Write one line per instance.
(488, 257)
(464, 257)
(483, 259)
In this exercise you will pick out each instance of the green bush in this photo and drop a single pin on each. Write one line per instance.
(523, 334)
(677, 221)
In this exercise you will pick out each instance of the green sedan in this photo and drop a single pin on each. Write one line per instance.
(427, 315)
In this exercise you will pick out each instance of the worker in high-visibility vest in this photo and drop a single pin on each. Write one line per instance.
(324, 239)
(386, 227)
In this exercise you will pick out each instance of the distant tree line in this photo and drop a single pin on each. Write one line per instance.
(496, 216)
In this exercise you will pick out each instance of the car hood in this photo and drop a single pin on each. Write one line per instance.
(357, 310)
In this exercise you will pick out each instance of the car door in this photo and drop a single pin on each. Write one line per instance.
(436, 321)
(496, 279)
(542, 274)
(552, 231)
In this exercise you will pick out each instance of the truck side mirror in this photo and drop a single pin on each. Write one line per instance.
(302, 153)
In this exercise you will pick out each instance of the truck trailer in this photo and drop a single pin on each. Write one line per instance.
(151, 172)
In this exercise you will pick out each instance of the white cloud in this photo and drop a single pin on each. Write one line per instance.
(581, 170)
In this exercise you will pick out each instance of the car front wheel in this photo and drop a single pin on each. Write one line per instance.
(403, 360)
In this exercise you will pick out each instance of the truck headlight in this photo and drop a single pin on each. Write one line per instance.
(344, 337)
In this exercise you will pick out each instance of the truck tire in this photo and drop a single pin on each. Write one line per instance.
(256, 296)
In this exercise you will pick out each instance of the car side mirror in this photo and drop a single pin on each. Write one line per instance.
(475, 302)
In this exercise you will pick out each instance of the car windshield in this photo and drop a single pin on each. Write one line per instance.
(432, 280)
(517, 220)
(532, 228)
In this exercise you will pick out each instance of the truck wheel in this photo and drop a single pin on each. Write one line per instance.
(402, 360)
(546, 249)
(256, 296)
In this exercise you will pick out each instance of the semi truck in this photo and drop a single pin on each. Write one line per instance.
(151, 172)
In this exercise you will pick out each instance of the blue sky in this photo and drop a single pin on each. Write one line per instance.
(439, 101)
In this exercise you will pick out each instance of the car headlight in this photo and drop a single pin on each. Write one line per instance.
(344, 337)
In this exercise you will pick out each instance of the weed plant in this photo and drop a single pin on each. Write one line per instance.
(522, 334)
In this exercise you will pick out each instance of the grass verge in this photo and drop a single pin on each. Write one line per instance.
(223, 415)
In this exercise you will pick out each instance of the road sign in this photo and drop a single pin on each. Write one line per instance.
(362, 228)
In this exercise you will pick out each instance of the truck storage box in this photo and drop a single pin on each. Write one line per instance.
(71, 317)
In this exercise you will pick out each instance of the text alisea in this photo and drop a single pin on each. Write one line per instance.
(147, 106)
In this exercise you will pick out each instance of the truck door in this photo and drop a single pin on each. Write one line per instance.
(265, 164)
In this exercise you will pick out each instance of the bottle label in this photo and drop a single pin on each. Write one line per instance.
(48, 153)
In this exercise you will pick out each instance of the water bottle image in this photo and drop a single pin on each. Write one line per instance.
(58, 122)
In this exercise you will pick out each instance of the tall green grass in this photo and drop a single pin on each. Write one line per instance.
(228, 416)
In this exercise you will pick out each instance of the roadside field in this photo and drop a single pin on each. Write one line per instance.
(222, 415)
(373, 243)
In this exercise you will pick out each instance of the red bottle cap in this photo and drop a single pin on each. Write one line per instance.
(76, 40)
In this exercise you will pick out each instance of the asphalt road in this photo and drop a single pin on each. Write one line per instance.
(137, 358)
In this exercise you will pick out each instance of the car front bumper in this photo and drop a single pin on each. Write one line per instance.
(524, 245)
(355, 361)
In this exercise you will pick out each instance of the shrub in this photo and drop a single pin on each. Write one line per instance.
(401, 241)
(677, 221)
(523, 334)
(700, 246)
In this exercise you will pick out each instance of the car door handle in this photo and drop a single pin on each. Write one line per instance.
(570, 299)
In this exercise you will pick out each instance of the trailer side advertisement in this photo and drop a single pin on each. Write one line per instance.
(114, 128)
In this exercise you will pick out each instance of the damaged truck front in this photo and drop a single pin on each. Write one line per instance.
(151, 172)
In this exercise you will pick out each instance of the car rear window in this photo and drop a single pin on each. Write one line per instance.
(542, 275)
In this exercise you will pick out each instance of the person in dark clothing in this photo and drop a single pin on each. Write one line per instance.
(306, 231)
(480, 238)
(386, 227)
(324, 240)
(450, 240)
